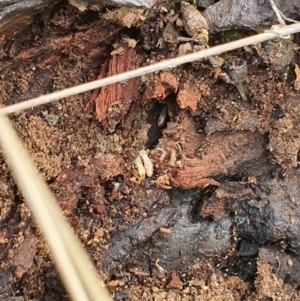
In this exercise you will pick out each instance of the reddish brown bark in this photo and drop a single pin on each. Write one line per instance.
(160, 85)
(112, 102)
(189, 93)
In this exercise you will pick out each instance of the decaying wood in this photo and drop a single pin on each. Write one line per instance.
(166, 83)
(189, 93)
(112, 102)
(16, 14)
(220, 204)
(109, 166)
(160, 85)
(73, 182)
(86, 40)
(227, 152)
(201, 159)
(69, 185)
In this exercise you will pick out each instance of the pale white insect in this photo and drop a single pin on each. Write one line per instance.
(140, 167)
(172, 161)
(147, 162)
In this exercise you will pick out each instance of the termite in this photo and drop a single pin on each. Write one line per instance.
(147, 163)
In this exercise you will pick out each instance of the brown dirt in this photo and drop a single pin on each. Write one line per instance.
(207, 225)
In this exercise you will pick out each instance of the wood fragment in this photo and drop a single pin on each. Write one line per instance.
(112, 102)
(165, 83)
(189, 93)
(202, 169)
(108, 166)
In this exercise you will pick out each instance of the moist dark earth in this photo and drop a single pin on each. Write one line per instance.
(219, 216)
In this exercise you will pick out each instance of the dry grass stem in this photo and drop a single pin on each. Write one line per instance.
(79, 276)
(275, 32)
(277, 12)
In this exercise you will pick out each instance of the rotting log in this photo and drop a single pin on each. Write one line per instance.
(84, 40)
(16, 14)
(228, 152)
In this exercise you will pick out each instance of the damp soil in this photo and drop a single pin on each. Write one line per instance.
(219, 216)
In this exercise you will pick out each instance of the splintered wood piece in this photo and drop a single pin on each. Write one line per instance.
(112, 102)
(165, 83)
(239, 149)
(197, 173)
(201, 159)
(171, 82)
(189, 93)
